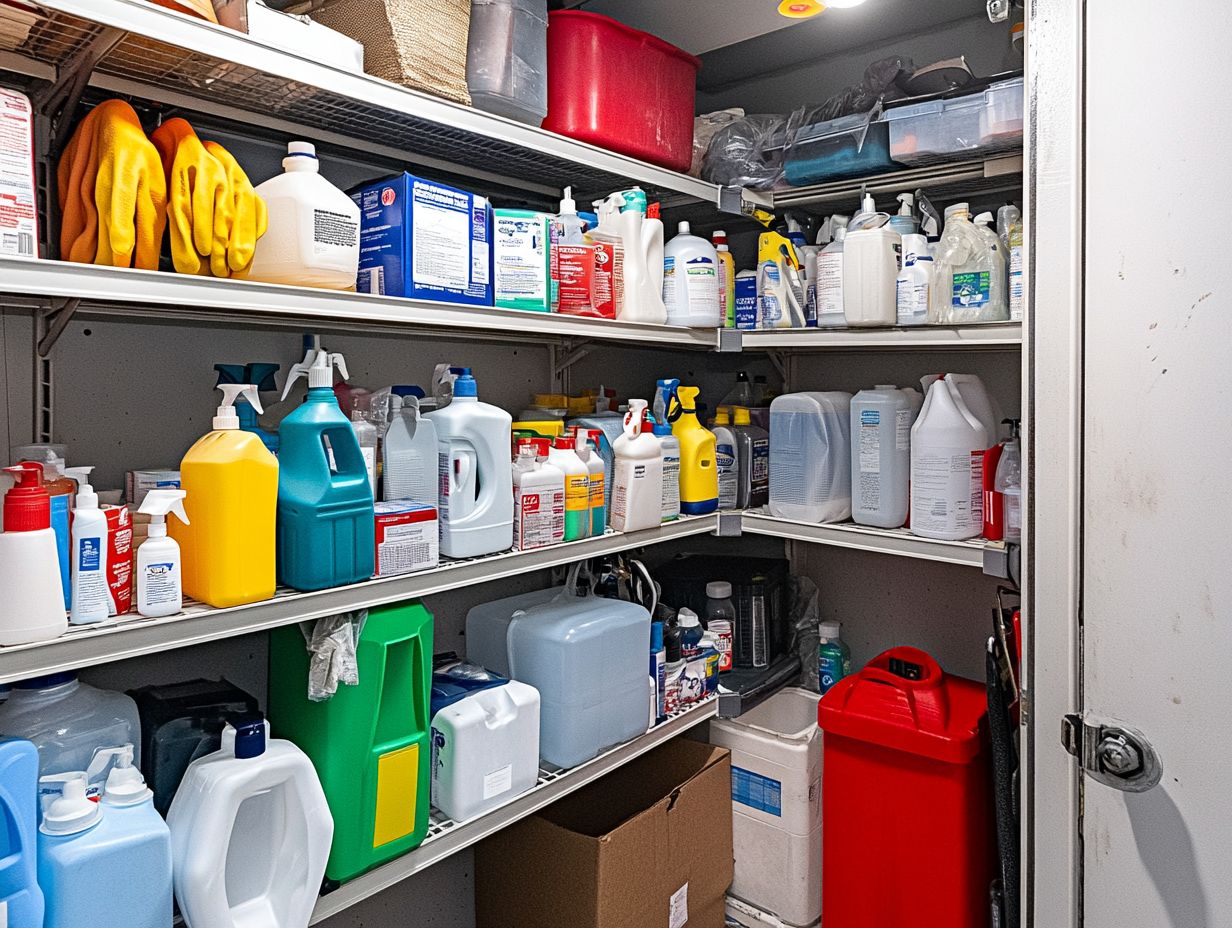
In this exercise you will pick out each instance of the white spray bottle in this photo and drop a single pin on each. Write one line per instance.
(159, 588)
(88, 554)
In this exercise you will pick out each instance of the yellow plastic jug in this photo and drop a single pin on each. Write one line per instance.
(231, 484)
(699, 476)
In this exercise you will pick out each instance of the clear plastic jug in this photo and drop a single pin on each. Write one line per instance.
(810, 457)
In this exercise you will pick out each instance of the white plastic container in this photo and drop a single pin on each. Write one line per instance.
(870, 267)
(507, 58)
(642, 268)
(726, 459)
(313, 235)
(250, 833)
(970, 280)
(637, 481)
(160, 591)
(476, 482)
(669, 447)
(881, 421)
(914, 284)
(88, 554)
(485, 746)
(776, 805)
(538, 501)
(947, 466)
(69, 722)
(32, 608)
(304, 37)
(979, 401)
(691, 281)
(810, 457)
(409, 454)
(585, 655)
(827, 281)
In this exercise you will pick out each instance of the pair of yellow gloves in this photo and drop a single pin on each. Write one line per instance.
(118, 189)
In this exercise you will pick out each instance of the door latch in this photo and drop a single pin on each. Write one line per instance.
(1113, 754)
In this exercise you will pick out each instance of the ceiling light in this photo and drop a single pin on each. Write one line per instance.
(800, 9)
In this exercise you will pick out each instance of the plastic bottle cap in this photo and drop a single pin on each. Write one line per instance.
(656, 636)
(72, 812)
(301, 150)
(465, 385)
(225, 417)
(248, 732)
(566, 443)
(740, 416)
(27, 505)
(125, 784)
(687, 618)
(683, 227)
(568, 206)
(718, 589)
(830, 630)
(86, 497)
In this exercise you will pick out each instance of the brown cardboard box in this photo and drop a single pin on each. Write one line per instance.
(647, 846)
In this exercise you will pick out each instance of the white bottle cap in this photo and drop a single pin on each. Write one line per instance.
(718, 589)
(830, 630)
(687, 618)
(983, 219)
(225, 417)
(125, 784)
(568, 205)
(72, 812)
(907, 203)
(321, 374)
(86, 497)
(683, 228)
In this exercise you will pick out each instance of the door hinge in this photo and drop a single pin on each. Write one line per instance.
(1112, 754)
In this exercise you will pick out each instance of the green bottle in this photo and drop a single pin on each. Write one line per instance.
(833, 657)
(370, 742)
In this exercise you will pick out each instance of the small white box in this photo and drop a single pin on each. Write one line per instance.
(138, 483)
(407, 537)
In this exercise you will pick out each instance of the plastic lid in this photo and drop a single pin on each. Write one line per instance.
(48, 681)
(683, 227)
(983, 219)
(301, 149)
(27, 505)
(248, 733)
(656, 636)
(465, 385)
(125, 784)
(72, 812)
(225, 417)
(958, 208)
(722, 416)
(566, 443)
(652, 211)
(86, 497)
(321, 374)
(718, 589)
(568, 205)
(719, 238)
(740, 416)
(831, 630)
(687, 618)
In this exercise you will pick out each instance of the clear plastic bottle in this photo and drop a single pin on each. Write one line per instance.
(833, 656)
(969, 285)
(742, 393)
(690, 633)
(366, 435)
(1009, 484)
(721, 619)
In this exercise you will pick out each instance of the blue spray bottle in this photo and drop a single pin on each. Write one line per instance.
(325, 506)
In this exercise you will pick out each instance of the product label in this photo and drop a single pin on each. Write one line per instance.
(577, 492)
(671, 486)
(607, 289)
(406, 546)
(702, 282)
(332, 232)
(756, 791)
(576, 265)
(444, 469)
(725, 293)
(761, 465)
(723, 629)
(89, 555)
(1016, 291)
(729, 475)
(870, 441)
(498, 781)
(520, 260)
(119, 559)
(441, 225)
(597, 489)
(669, 283)
(771, 307)
(902, 429)
(678, 909)
(369, 455)
(946, 492)
(971, 289)
(160, 583)
(539, 517)
(912, 301)
(1013, 513)
(18, 210)
(554, 262)
(746, 302)
(832, 666)
(829, 287)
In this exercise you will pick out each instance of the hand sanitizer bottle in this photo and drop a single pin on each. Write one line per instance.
(159, 589)
(88, 554)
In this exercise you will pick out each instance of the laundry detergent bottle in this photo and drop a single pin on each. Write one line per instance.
(21, 899)
(326, 532)
(699, 476)
(230, 481)
(476, 480)
(250, 833)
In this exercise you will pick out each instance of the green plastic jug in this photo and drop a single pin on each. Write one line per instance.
(370, 742)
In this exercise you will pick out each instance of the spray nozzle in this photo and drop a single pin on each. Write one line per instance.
(86, 497)
(321, 374)
(930, 221)
(906, 203)
(635, 418)
(225, 417)
(157, 504)
(568, 205)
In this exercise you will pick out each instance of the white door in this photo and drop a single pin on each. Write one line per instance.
(1157, 456)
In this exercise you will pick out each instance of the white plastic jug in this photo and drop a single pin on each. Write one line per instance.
(409, 456)
(642, 239)
(810, 457)
(979, 401)
(313, 235)
(476, 481)
(969, 285)
(637, 482)
(587, 657)
(870, 269)
(881, 421)
(250, 833)
(691, 281)
(947, 466)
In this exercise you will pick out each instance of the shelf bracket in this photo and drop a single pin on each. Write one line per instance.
(729, 525)
(59, 101)
(52, 323)
(740, 201)
(573, 351)
(779, 360)
(729, 341)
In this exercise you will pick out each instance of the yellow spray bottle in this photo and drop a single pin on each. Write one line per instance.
(699, 476)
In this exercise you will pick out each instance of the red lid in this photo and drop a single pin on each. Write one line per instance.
(564, 443)
(542, 446)
(647, 426)
(652, 211)
(27, 506)
(904, 701)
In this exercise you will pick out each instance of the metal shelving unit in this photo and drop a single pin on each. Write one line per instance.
(446, 837)
(988, 335)
(895, 541)
(133, 635)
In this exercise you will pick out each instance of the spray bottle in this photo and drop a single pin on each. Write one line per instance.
(159, 588)
(699, 478)
(904, 221)
(643, 241)
(88, 554)
(780, 287)
(637, 474)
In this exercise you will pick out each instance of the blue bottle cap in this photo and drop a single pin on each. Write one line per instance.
(43, 683)
(656, 636)
(408, 390)
(249, 735)
(465, 385)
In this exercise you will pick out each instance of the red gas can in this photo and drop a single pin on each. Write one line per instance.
(906, 797)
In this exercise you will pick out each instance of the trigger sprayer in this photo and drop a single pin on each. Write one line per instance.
(158, 504)
(86, 498)
(665, 392)
(226, 416)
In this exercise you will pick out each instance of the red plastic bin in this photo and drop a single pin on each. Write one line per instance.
(906, 797)
(620, 88)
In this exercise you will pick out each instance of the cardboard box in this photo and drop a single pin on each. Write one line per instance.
(647, 846)
(522, 255)
(119, 559)
(407, 537)
(137, 483)
(424, 240)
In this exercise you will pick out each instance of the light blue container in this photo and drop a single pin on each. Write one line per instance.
(325, 521)
(20, 895)
(810, 457)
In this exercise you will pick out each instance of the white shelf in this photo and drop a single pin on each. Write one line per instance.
(989, 335)
(896, 541)
(133, 635)
(446, 837)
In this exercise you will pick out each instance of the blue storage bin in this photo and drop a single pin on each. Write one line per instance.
(849, 146)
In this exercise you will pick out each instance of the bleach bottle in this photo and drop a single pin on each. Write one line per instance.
(21, 899)
(947, 466)
(476, 481)
(699, 475)
(409, 452)
(326, 531)
(637, 477)
(669, 446)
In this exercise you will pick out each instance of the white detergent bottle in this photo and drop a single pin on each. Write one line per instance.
(538, 500)
(914, 284)
(88, 554)
(159, 589)
(250, 833)
(827, 282)
(881, 420)
(870, 267)
(947, 462)
(726, 459)
(637, 477)
(33, 603)
(476, 483)
(410, 450)
(313, 235)
(691, 281)
(973, 392)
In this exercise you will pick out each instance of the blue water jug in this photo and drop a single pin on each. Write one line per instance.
(325, 518)
(20, 895)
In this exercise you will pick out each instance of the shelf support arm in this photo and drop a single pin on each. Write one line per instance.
(59, 101)
(52, 323)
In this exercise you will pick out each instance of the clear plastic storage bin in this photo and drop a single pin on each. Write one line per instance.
(973, 124)
(845, 147)
(507, 58)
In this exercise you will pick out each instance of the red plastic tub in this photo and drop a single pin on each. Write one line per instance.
(621, 89)
(906, 799)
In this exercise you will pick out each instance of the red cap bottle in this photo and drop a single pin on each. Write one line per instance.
(27, 506)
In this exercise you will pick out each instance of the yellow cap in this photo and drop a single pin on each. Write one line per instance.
(742, 416)
(721, 416)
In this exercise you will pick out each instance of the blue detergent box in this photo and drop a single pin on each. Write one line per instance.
(424, 240)
(746, 302)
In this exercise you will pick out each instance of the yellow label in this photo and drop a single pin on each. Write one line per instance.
(397, 782)
(577, 492)
(596, 491)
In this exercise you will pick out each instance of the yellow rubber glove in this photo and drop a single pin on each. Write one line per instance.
(198, 205)
(75, 190)
(249, 217)
(130, 191)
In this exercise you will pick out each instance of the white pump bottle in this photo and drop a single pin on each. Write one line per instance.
(88, 554)
(159, 588)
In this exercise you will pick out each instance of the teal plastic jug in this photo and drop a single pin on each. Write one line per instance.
(325, 518)
(20, 895)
